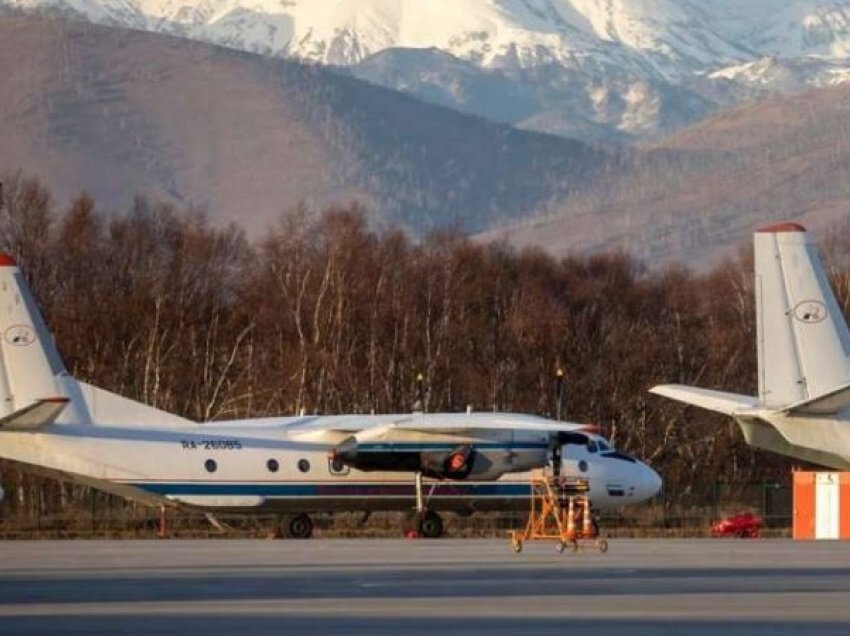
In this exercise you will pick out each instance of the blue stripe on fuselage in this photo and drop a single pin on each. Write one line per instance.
(333, 489)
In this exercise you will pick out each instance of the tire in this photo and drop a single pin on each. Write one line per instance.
(296, 527)
(517, 546)
(430, 525)
(561, 546)
(602, 545)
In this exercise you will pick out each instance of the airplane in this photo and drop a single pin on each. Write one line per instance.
(291, 466)
(803, 406)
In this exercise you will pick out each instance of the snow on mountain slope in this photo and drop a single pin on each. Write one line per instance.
(787, 28)
(630, 67)
(491, 33)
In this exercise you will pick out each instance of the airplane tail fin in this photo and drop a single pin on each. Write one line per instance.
(30, 365)
(35, 388)
(803, 340)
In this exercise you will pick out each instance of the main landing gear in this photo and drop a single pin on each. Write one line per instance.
(298, 526)
(423, 522)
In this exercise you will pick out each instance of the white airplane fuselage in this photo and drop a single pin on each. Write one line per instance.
(263, 466)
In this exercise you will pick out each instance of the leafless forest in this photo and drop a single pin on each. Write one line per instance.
(327, 315)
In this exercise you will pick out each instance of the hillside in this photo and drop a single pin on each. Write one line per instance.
(697, 195)
(119, 113)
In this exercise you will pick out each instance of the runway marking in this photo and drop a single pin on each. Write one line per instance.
(771, 608)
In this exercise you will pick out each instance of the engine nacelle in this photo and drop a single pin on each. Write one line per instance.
(456, 464)
(463, 462)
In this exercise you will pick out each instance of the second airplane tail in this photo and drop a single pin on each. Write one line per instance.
(803, 340)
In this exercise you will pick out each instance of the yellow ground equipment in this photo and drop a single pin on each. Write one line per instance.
(560, 511)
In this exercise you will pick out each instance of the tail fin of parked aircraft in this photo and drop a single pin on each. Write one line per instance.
(29, 362)
(35, 388)
(803, 340)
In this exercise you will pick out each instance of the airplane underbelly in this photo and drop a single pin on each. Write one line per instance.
(342, 495)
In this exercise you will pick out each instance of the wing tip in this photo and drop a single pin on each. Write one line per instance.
(660, 389)
(6, 260)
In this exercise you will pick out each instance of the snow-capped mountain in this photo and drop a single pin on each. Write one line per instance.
(590, 68)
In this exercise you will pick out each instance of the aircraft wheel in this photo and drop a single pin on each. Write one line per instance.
(561, 546)
(602, 545)
(517, 546)
(573, 545)
(296, 527)
(431, 525)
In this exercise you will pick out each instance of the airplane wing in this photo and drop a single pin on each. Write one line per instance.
(35, 416)
(448, 424)
(493, 425)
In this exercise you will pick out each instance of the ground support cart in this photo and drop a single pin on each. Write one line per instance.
(560, 512)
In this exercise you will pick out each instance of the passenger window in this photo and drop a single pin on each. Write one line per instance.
(603, 445)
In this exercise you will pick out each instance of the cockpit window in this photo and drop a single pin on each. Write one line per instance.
(619, 455)
(591, 446)
(603, 445)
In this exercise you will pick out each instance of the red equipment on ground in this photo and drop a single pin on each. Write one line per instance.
(745, 525)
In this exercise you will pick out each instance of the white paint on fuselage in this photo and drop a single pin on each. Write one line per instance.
(172, 462)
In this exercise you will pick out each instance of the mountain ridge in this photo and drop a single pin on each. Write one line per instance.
(783, 158)
(631, 69)
(120, 113)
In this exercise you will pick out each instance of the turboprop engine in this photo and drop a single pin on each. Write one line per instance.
(461, 462)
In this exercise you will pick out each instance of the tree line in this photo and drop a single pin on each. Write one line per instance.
(326, 314)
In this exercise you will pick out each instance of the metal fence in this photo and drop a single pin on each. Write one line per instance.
(102, 515)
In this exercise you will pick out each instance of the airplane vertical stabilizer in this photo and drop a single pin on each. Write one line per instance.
(35, 388)
(30, 362)
(803, 340)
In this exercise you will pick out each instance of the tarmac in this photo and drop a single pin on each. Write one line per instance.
(445, 586)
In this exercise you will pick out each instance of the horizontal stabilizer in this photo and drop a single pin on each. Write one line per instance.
(831, 402)
(35, 416)
(719, 401)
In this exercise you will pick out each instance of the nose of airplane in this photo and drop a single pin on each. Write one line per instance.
(649, 483)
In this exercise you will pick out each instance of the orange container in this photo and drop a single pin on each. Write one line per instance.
(821, 505)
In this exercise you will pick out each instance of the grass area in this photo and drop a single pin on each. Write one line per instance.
(135, 522)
